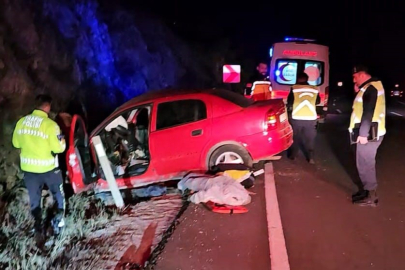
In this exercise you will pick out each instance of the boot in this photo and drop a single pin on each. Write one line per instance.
(58, 222)
(292, 153)
(311, 157)
(37, 215)
(370, 200)
(360, 195)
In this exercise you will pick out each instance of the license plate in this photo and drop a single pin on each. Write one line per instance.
(283, 117)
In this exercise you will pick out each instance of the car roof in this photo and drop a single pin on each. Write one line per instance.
(164, 93)
(149, 97)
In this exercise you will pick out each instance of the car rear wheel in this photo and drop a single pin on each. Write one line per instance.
(230, 154)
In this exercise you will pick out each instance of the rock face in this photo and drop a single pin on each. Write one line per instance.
(81, 50)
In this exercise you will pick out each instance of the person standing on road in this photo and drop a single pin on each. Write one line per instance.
(259, 86)
(367, 128)
(40, 140)
(301, 102)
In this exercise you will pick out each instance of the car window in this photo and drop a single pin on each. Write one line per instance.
(170, 114)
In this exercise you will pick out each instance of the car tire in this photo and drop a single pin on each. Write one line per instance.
(230, 150)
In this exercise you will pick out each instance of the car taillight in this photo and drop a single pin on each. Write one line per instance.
(270, 121)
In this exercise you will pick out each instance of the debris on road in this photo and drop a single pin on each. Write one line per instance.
(218, 189)
(225, 209)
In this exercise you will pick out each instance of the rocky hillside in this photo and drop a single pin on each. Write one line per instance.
(81, 50)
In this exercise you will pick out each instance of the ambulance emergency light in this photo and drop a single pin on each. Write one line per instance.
(299, 39)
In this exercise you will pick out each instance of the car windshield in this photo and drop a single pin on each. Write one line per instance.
(235, 98)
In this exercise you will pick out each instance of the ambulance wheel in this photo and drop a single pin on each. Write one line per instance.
(229, 154)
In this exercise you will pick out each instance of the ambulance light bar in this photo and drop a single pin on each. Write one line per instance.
(299, 39)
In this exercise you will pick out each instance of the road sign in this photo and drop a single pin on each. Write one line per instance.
(231, 74)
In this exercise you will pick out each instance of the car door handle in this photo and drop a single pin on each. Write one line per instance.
(196, 132)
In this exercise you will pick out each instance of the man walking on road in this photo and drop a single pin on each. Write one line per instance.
(367, 128)
(302, 102)
(39, 140)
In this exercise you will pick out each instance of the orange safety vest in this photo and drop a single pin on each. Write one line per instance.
(261, 90)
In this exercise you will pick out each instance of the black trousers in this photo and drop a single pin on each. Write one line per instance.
(34, 182)
(304, 134)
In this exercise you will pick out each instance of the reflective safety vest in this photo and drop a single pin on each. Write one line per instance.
(379, 110)
(261, 90)
(38, 138)
(304, 107)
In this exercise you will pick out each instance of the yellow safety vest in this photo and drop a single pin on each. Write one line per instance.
(261, 90)
(37, 137)
(304, 107)
(379, 111)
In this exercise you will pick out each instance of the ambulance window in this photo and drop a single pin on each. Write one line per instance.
(286, 72)
(314, 70)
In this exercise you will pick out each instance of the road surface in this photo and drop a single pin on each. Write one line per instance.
(323, 229)
(204, 240)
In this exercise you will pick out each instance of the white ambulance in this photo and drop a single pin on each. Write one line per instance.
(293, 56)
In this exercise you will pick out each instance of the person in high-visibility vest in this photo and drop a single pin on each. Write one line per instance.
(261, 75)
(367, 122)
(301, 103)
(40, 140)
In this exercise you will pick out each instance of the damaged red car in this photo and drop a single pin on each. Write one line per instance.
(162, 135)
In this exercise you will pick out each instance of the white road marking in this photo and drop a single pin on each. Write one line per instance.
(278, 250)
(394, 113)
(400, 102)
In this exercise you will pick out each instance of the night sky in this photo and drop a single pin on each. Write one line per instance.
(370, 32)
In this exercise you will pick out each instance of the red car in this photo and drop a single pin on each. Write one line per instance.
(163, 135)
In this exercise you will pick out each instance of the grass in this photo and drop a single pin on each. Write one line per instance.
(19, 249)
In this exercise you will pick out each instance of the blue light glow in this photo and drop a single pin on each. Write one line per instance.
(117, 58)
(299, 39)
(278, 72)
(271, 52)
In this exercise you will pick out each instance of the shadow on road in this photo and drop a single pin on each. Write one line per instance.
(337, 137)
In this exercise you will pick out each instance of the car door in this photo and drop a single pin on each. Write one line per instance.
(181, 129)
(79, 158)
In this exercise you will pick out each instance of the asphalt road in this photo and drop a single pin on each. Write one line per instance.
(323, 229)
(204, 240)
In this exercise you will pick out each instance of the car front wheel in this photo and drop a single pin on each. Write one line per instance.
(230, 154)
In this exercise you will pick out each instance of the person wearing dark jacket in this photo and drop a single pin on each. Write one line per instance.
(368, 123)
(260, 75)
(301, 104)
